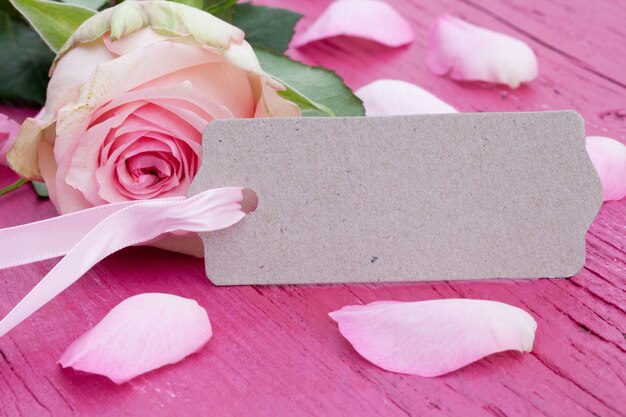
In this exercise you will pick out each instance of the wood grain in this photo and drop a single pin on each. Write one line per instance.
(275, 352)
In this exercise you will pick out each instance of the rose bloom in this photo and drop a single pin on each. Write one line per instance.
(130, 94)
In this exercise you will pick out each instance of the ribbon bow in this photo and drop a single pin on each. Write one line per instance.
(86, 237)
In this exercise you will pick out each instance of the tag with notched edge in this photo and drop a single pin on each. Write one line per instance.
(406, 198)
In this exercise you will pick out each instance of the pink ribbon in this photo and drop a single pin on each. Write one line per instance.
(86, 237)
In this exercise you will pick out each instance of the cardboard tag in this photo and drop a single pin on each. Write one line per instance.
(406, 198)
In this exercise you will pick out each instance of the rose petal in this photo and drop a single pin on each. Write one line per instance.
(431, 338)
(75, 69)
(270, 103)
(9, 129)
(368, 19)
(609, 158)
(176, 20)
(142, 333)
(132, 41)
(48, 166)
(468, 52)
(179, 94)
(219, 82)
(22, 157)
(395, 97)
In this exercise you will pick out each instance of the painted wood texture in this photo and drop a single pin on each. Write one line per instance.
(275, 352)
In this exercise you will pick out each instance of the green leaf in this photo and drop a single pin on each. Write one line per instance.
(90, 4)
(317, 91)
(198, 4)
(24, 64)
(217, 6)
(221, 8)
(6, 7)
(266, 27)
(54, 22)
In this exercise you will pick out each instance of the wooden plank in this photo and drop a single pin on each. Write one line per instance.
(276, 353)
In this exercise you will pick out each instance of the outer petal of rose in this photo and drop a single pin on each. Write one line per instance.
(395, 97)
(270, 103)
(48, 167)
(265, 88)
(431, 338)
(219, 82)
(74, 70)
(22, 157)
(181, 95)
(9, 129)
(242, 55)
(368, 19)
(609, 158)
(174, 21)
(169, 18)
(468, 52)
(133, 41)
(142, 333)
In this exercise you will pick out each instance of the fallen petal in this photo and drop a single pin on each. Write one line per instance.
(142, 333)
(432, 338)
(468, 52)
(609, 158)
(367, 19)
(395, 97)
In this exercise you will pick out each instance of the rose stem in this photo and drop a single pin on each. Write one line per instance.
(17, 184)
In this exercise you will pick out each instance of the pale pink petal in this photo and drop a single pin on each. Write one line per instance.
(219, 82)
(271, 104)
(9, 129)
(133, 41)
(395, 97)
(76, 67)
(367, 19)
(22, 157)
(48, 168)
(142, 333)
(609, 158)
(431, 338)
(472, 53)
(179, 94)
(185, 132)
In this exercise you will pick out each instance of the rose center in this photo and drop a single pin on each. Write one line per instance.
(152, 172)
(148, 170)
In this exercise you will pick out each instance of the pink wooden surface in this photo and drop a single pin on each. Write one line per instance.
(275, 352)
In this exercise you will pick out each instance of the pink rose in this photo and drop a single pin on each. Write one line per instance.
(8, 133)
(130, 94)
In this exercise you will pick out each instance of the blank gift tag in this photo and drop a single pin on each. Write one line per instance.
(406, 198)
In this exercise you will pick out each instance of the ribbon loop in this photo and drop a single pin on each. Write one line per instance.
(89, 236)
